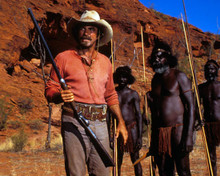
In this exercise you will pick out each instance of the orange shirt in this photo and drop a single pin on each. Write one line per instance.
(95, 86)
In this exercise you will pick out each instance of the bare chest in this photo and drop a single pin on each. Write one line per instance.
(166, 86)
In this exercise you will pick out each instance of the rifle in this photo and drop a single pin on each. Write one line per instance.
(106, 158)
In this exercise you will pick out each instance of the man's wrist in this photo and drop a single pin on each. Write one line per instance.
(121, 122)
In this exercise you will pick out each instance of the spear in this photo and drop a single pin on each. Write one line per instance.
(149, 136)
(112, 55)
(135, 56)
(115, 155)
(147, 153)
(196, 88)
(113, 51)
(142, 42)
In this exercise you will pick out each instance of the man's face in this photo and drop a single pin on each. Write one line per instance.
(211, 72)
(87, 36)
(123, 80)
(160, 62)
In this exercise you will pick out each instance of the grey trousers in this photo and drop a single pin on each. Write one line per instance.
(79, 152)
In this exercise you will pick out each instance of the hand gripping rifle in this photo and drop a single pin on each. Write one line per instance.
(106, 158)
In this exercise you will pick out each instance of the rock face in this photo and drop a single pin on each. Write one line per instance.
(126, 18)
(21, 72)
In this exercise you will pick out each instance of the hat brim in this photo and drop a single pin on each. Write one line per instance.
(104, 26)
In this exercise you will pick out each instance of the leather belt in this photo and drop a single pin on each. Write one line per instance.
(89, 111)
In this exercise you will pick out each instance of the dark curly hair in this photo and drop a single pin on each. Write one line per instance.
(161, 46)
(123, 71)
(210, 61)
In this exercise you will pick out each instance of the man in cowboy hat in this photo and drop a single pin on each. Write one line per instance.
(130, 107)
(89, 77)
(209, 92)
(172, 111)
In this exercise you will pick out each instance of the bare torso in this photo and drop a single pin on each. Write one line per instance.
(210, 96)
(168, 105)
(128, 100)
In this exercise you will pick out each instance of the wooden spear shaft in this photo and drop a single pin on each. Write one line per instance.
(146, 111)
(112, 54)
(115, 169)
(115, 150)
(197, 98)
(142, 42)
(149, 136)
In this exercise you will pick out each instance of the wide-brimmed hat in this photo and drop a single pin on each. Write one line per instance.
(92, 18)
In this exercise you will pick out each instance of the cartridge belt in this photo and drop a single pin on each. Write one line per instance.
(89, 111)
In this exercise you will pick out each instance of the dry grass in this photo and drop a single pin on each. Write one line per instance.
(6, 146)
(34, 144)
(51, 163)
(56, 142)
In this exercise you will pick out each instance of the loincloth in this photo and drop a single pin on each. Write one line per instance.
(212, 130)
(161, 140)
(129, 147)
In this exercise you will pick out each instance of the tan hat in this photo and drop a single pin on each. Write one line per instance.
(93, 18)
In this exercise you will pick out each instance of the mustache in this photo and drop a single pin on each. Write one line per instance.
(85, 37)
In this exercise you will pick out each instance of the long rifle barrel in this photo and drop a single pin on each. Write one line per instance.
(45, 43)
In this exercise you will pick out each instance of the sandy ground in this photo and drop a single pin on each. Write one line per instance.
(51, 163)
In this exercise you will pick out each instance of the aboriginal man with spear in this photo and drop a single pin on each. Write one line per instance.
(209, 92)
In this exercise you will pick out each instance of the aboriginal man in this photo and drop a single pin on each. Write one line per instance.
(129, 102)
(210, 99)
(172, 110)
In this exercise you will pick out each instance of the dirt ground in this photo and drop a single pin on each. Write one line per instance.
(51, 163)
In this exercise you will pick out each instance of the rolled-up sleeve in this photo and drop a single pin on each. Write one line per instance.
(52, 86)
(111, 95)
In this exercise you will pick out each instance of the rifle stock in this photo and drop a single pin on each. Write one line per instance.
(106, 158)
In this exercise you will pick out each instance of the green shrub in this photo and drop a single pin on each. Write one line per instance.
(161, 15)
(15, 124)
(19, 141)
(25, 104)
(4, 112)
(36, 124)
